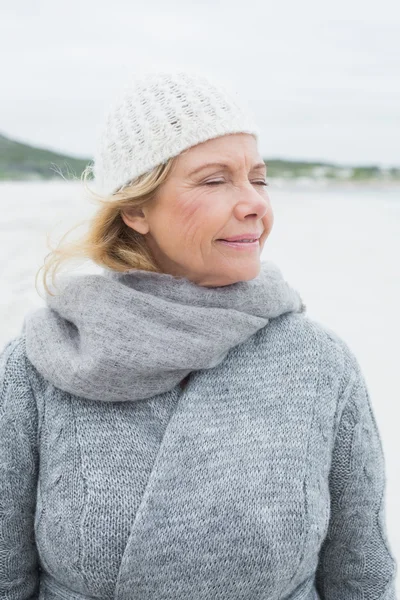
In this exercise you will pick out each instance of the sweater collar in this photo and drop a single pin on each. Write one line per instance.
(132, 335)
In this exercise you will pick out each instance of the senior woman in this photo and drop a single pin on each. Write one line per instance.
(264, 477)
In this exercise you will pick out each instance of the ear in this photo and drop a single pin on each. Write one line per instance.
(135, 219)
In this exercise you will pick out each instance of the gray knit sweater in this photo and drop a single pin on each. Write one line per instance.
(263, 479)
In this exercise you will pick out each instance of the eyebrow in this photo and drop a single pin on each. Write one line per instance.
(224, 166)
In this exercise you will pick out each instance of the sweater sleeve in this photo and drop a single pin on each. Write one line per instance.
(356, 561)
(19, 570)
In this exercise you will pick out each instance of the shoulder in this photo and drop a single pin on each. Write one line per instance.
(13, 361)
(312, 341)
(18, 377)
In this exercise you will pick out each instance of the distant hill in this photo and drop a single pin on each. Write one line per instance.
(20, 161)
(317, 171)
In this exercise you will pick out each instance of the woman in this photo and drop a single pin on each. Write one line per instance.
(264, 476)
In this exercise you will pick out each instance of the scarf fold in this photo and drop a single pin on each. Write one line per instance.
(132, 335)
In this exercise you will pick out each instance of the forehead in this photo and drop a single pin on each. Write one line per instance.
(234, 150)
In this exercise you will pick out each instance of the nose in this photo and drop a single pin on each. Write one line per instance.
(250, 201)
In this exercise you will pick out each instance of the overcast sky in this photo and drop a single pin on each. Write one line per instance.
(323, 79)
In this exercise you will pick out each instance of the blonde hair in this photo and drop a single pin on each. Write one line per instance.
(109, 242)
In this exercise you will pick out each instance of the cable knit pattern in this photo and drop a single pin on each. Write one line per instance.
(355, 560)
(263, 479)
(158, 115)
(19, 577)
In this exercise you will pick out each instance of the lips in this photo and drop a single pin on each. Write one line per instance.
(241, 238)
(242, 246)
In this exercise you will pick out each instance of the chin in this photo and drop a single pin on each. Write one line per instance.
(244, 273)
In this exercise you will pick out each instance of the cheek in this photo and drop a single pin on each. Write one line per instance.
(197, 219)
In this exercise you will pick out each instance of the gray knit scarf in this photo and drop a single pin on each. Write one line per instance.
(132, 335)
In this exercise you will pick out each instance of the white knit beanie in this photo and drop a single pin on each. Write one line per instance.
(157, 116)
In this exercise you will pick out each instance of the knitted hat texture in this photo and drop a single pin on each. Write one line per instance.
(157, 116)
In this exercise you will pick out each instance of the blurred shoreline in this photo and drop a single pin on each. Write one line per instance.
(310, 184)
(275, 184)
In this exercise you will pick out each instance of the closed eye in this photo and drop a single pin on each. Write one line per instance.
(218, 182)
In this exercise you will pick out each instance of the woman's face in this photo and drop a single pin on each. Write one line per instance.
(198, 205)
